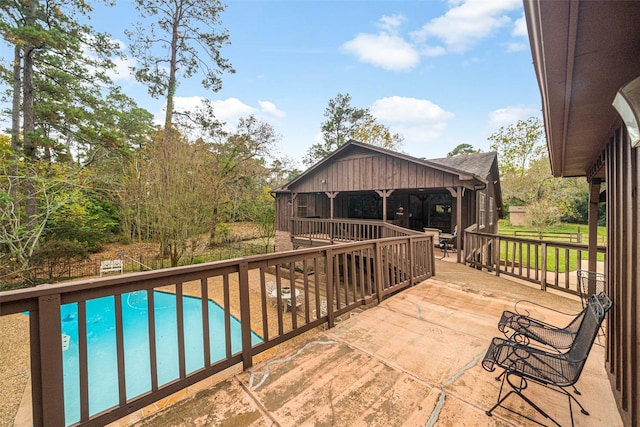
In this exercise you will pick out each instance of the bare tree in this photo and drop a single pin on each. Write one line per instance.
(20, 235)
(169, 190)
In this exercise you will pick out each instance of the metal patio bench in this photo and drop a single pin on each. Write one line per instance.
(521, 327)
(556, 371)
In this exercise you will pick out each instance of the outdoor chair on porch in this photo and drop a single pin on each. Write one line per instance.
(298, 300)
(323, 310)
(270, 289)
(521, 327)
(447, 242)
(586, 277)
(556, 371)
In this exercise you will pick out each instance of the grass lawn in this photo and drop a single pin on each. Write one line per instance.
(559, 258)
(503, 225)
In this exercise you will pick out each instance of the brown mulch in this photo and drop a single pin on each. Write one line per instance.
(14, 369)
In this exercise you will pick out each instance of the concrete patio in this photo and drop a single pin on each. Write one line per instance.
(412, 360)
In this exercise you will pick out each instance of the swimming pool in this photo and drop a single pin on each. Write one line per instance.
(101, 346)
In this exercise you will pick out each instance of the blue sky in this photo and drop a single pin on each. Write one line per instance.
(439, 72)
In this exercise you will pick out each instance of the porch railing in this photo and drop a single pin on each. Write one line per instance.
(318, 231)
(346, 276)
(550, 264)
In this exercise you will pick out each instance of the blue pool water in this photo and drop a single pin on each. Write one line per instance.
(101, 346)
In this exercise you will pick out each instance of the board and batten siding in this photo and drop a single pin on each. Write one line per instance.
(623, 272)
(373, 172)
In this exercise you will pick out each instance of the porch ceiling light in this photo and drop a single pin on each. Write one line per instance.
(627, 103)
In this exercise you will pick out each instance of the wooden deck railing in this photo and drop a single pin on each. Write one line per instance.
(346, 276)
(547, 263)
(318, 232)
(545, 235)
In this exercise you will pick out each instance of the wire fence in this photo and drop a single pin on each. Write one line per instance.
(62, 270)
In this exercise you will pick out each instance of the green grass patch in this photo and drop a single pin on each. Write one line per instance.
(506, 228)
(525, 255)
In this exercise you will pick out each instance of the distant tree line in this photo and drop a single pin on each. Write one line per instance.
(526, 178)
(83, 164)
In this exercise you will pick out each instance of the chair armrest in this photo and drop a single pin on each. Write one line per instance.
(530, 361)
(523, 351)
(527, 313)
(518, 322)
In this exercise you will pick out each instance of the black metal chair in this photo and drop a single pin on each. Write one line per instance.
(585, 278)
(447, 242)
(523, 328)
(556, 371)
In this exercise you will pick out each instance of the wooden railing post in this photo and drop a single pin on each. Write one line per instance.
(46, 363)
(245, 315)
(412, 263)
(543, 272)
(433, 255)
(496, 254)
(378, 267)
(329, 275)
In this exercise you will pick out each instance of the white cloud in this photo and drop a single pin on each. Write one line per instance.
(468, 22)
(516, 47)
(270, 109)
(520, 27)
(419, 121)
(390, 23)
(383, 50)
(511, 114)
(411, 110)
(122, 71)
(228, 110)
(433, 50)
(231, 109)
(386, 49)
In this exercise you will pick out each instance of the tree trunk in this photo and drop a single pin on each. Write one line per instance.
(173, 66)
(15, 122)
(29, 145)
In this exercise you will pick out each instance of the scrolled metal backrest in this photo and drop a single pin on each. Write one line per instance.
(596, 309)
(575, 324)
(585, 276)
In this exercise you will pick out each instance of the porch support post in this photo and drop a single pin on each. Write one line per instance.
(293, 204)
(459, 193)
(384, 194)
(331, 195)
(594, 197)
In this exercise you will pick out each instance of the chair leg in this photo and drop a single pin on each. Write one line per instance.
(517, 390)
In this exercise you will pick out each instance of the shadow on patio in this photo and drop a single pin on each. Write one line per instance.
(412, 360)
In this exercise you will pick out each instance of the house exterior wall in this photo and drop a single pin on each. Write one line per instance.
(283, 211)
(314, 205)
(363, 182)
(486, 210)
(366, 171)
(623, 272)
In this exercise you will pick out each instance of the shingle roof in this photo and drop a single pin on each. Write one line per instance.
(475, 163)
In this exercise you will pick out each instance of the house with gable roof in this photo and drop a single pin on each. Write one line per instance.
(362, 182)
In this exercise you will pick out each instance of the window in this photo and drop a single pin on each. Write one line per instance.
(490, 211)
(301, 206)
(482, 211)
